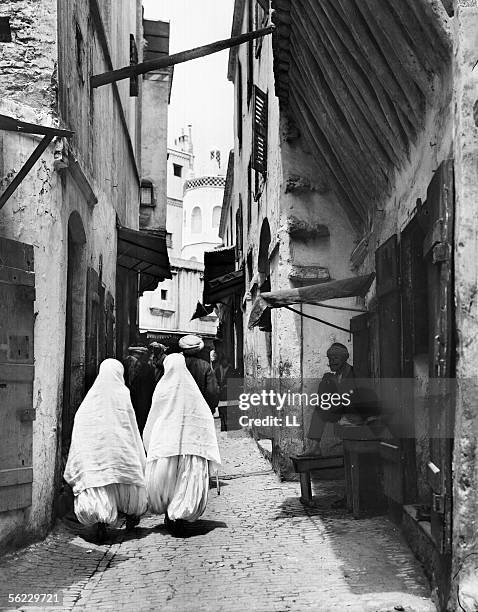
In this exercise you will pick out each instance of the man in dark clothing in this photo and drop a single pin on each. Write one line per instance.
(158, 355)
(141, 383)
(200, 369)
(224, 372)
(341, 380)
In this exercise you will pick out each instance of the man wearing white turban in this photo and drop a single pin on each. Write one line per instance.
(200, 369)
(181, 445)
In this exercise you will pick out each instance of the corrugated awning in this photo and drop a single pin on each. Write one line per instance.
(145, 253)
(311, 294)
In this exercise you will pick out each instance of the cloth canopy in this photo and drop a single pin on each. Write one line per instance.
(311, 294)
(106, 446)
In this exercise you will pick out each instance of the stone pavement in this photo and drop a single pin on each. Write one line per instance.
(256, 548)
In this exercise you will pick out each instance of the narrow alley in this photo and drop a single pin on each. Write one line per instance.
(256, 548)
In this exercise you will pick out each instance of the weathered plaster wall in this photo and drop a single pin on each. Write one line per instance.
(154, 142)
(28, 63)
(464, 594)
(39, 211)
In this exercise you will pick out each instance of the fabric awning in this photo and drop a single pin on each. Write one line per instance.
(220, 278)
(146, 253)
(224, 286)
(219, 262)
(202, 311)
(311, 294)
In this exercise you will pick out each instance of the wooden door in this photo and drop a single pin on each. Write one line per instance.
(361, 344)
(92, 327)
(438, 252)
(17, 296)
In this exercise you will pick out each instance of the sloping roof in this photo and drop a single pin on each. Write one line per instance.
(356, 76)
(145, 253)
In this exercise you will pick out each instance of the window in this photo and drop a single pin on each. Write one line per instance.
(164, 294)
(249, 194)
(169, 240)
(260, 128)
(196, 220)
(261, 18)
(177, 170)
(5, 31)
(133, 60)
(239, 230)
(250, 51)
(147, 193)
(216, 216)
(250, 269)
(80, 53)
(239, 104)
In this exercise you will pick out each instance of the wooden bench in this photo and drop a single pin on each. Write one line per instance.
(303, 465)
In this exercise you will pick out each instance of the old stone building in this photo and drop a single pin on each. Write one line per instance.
(69, 240)
(355, 143)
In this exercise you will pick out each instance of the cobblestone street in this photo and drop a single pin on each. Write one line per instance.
(257, 548)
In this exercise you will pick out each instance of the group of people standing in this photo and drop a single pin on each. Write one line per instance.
(125, 458)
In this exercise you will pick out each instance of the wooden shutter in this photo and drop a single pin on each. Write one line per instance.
(17, 296)
(259, 142)
(133, 60)
(92, 324)
(438, 251)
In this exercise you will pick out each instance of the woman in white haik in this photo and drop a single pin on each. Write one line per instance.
(181, 446)
(106, 462)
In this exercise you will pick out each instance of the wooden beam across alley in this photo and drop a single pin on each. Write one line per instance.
(177, 58)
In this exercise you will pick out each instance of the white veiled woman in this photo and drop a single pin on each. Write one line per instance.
(106, 462)
(181, 446)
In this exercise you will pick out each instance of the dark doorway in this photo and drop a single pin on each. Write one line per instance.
(74, 368)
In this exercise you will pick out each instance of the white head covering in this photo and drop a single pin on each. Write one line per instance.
(106, 446)
(180, 421)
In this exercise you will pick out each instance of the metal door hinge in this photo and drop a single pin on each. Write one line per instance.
(441, 252)
(30, 414)
(438, 503)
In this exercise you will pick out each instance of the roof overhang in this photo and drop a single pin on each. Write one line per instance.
(356, 78)
(146, 253)
(312, 294)
(221, 280)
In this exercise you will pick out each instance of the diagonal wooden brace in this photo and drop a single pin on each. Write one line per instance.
(25, 169)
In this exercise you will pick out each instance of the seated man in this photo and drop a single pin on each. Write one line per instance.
(341, 380)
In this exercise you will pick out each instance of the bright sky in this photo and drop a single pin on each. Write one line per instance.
(201, 94)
